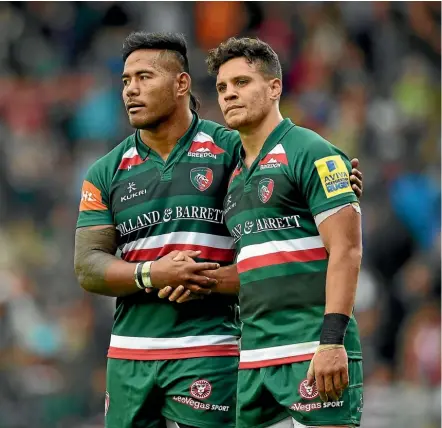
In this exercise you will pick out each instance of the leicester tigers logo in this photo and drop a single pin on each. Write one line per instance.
(265, 189)
(201, 389)
(201, 178)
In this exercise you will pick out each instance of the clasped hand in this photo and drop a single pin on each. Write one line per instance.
(180, 278)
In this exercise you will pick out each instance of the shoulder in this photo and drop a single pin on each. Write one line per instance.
(305, 143)
(105, 167)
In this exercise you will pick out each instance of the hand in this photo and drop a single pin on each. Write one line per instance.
(356, 178)
(180, 294)
(168, 272)
(329, 367)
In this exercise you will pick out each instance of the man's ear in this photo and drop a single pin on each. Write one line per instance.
(275, 89)
(184, 83)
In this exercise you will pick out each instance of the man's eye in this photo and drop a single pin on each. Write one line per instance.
(241, 82)
(221, 88)
(125, 82)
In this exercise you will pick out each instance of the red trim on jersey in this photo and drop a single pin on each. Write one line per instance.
(209, 253)
(174, 353)
(275, 361)
(210, 145)
(282, 257)
(133, 161)
(236, 172)
(279, 157)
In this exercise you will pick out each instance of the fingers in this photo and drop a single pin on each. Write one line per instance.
(198, 290)
(337, 384)
(183, 297)
(321, 387)
(355, 181)
(178, 292)
(186, 255)
(344, 378)
(188, 296)
(202, 281)
(311, 374)
(205, 266)
(354, 162)
(164, 292)
(355, 172)
(148, 290)
(329, 387)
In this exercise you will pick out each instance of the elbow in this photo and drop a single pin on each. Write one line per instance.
(349, 254)
(81, 277)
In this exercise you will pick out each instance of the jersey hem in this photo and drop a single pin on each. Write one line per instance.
(334, 203)
(275, 362)
(348, 422)
(195, 423)
(93, 223)
(173, 354)
(271, 422)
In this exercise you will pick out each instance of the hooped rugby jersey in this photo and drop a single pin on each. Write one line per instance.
(158, 207)
(281, 259)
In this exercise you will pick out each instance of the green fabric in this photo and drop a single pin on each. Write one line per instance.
(143, 393)
(271, 394)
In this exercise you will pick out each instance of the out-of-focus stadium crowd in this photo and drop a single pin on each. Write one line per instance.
(365, 75)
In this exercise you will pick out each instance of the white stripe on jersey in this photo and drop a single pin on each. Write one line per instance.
(271, 247)
(275, 352)
(153, 343)
(194, 238)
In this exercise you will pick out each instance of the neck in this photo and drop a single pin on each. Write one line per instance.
(254, 138)
(163, 138)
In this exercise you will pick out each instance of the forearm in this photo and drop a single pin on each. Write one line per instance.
(342, 277)
(97, 269)
(228, 280)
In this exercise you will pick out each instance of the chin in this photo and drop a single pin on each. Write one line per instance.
(236, 123)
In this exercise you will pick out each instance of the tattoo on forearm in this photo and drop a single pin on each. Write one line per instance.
(94, 251)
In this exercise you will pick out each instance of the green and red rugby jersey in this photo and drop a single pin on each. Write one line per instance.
(158, 207)
(281, 259)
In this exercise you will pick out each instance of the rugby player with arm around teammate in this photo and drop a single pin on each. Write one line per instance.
(297, 227)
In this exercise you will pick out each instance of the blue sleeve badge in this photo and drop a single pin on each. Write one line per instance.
(334, 175)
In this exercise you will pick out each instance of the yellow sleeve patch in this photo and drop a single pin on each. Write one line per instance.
(333, 175)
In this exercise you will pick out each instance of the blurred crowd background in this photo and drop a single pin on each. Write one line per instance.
(364, 75)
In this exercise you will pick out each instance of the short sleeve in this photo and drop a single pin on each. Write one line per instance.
(94, 203)
(322, 172)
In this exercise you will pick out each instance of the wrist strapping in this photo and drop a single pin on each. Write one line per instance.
(334, 328)
(142, 275)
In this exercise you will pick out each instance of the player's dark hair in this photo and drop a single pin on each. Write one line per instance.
(255, 51)
(175, 43)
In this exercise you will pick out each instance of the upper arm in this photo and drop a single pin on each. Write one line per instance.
(342, 230)
(95, 238)
(94, 209)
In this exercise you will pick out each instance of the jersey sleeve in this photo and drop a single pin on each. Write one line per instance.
(322, 172)
(94, 207)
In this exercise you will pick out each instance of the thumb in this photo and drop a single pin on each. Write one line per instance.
(311, 374)
(354, 162)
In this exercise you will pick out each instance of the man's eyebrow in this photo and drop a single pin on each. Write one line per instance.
(136, 73)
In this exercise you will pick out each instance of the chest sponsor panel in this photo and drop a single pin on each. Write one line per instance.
(266, 192)
(148, 186)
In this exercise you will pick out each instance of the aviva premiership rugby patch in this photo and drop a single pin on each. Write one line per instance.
(334, 175)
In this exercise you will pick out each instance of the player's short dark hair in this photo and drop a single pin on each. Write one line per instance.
(255, 51)
(174, 43)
